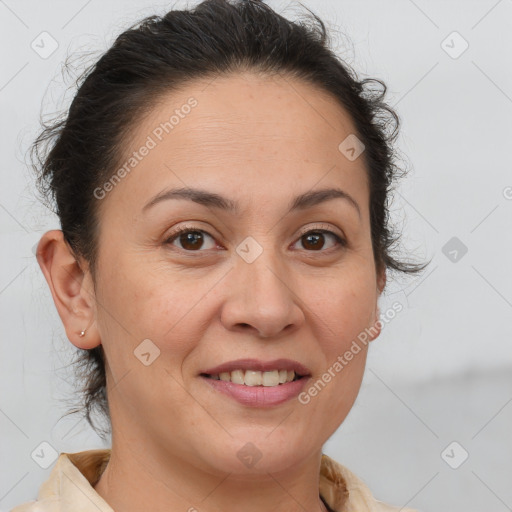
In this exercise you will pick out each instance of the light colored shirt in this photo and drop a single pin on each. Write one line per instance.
(70, 487)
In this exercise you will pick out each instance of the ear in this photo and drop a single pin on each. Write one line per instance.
(71, 289)
(376, 328)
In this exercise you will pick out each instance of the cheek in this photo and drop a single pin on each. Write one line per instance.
(147, 329)
(342, 308)
(145, 302)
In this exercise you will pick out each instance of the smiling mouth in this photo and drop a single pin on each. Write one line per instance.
(256, 378)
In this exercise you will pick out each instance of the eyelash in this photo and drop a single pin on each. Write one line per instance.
(342, 243)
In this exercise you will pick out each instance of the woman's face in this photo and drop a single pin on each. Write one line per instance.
(244, 283)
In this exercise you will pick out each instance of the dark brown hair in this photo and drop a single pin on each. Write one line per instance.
(79, 152)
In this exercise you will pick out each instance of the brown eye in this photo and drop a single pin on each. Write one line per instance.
(315, 240)
(191, 239)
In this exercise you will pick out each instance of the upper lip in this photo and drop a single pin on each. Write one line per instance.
(259, 365)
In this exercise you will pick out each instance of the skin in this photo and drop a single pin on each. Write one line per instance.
(260, 141)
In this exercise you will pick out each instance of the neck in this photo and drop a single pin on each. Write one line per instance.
(141, 479)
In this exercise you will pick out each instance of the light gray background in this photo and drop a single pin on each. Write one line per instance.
(441, 371)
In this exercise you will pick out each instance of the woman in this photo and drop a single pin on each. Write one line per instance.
(222, 183)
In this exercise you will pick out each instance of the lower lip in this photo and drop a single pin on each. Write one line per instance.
(259, 396)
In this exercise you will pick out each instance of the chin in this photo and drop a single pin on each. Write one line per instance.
(256, 454)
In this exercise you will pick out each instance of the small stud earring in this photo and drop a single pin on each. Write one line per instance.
(82, 333)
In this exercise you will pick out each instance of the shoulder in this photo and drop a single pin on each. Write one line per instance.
(346, 492)
(40, 505)
(70, 485)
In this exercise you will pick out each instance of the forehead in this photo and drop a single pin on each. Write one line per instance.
(251, 110)
(244, 132)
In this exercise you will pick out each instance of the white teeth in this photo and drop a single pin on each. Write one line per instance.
(270, 378)
(252, 378)
(256, 378)
(237, 377)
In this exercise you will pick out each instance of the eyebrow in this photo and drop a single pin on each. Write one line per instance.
(211, 199)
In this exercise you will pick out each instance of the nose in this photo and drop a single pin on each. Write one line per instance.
(261, 299)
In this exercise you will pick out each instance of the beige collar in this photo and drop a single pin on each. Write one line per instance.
(71, 487)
